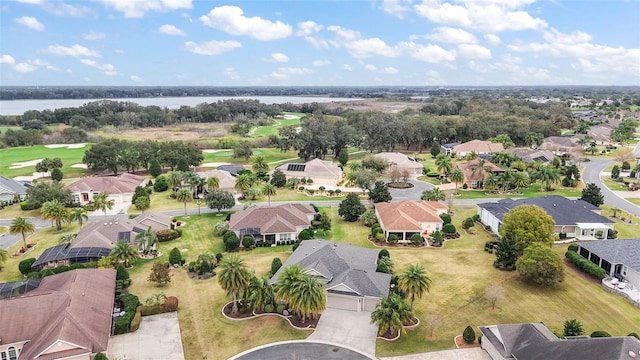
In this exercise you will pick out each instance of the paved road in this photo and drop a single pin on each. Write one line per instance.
(591, 174)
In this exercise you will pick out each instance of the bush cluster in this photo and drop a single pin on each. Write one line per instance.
(468, 223)
(231, 241)
(305, 234)
(167, 235)
(25, 265)
(61, 269)
(130, 304)
(585, 265)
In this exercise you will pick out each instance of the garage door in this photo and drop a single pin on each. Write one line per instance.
(370, 304)
(342, 302)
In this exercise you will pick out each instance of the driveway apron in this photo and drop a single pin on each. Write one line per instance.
(349, 328)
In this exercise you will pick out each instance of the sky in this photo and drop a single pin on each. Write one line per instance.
(319, 42)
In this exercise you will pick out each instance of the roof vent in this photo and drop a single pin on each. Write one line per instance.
(632, 354)
(554, 205)
(105, 224)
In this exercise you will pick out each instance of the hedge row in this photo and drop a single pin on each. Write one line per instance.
(168, 235)
(61, 269)
(130, 304)
(585, 265)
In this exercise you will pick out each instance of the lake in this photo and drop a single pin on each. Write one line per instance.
(18, 107)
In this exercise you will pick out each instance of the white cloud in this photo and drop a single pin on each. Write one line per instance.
(306, 28)
(473, 51)
(135, 78)
(29, 22)
(24, 67)
(231, 73)
(428, 53)
(74, 50)
(211, 47)
(370, 67)
(493, 39)
(452, 36)
(396, 7)
(41, 63)
(231, 20)
(7, 59)
(317, 43)
(434, 78)
(118, 51)
(490, 16)
(390, 70)
(319, 63)
(168, 29)
(279, 57)
(285, 73)
(92, 36)
(108, 69)
(368, 47)
(344, 33)
(59, 8)
(347, 67)
(137, 8)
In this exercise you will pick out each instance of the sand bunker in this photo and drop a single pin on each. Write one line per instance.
(214, 164)
(212, 151)
(289, 117)
(68, 146)
(19, 165)
(81, 166)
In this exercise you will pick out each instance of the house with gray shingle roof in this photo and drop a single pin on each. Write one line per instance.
(620, 258)
(274, 224)
(534, 341)
(320, 171)
(348, 271)
(11, 190)
(573, 218)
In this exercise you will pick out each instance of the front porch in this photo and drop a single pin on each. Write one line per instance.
(404, 236)
(592, 231)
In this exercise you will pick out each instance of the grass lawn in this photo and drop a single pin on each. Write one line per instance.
(271, 155)
(634, 200)
(273, 129)
(430, 180)
(626, 230)
(532, 191)
(613, 185)
(23, 154)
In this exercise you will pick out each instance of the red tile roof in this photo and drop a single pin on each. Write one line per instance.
(123, 183)
(272, 220)
(408, 214)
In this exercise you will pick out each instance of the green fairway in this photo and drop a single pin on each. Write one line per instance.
(290, 119)
(271, 155)
(23, 154)
(532, 191)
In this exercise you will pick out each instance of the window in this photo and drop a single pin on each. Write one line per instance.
(4, 355)
(12, 354)
(285, 237)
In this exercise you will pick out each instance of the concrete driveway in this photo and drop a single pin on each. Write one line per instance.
(454, 354)
(157, 338)
(349, 328)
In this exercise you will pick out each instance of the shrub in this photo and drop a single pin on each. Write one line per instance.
(465, 186)
(295, 246)
(268, 308)
(468, 223)
(585, 265)
(301, 188)
(204, 268)
(100, 356)
(175, 257)
(376, 229)
(573, 247)
(635, 335)
(600, 333)
(383, 253)
(25, 265)
(468, 335)
(171, 304)
(416, 239)
(380, 236)
(219, 257)
(280, 309)
(161, 184)
(121, 273)
(167, 235)
(135, 322)
(25, 206)
(446, 218)
(276, 264)
(220, 228)
(626, 165)
(305, 234)
(232, 244)
(476, 217)
(130, 303)
(148, 310)
(392, 239)
(248, 242)
(449, 229)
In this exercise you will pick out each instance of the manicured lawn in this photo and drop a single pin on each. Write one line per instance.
(430, 180)
(532, 191)
(273, 129)
(625, 228)
(634, 200)
(271, 155)
(24, 154)
(613, 185)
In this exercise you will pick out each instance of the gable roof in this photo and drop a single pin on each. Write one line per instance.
(619, 251)
(561, 141)
(233, 169)
(74, 307)
(408, 214)
(227, 181)
(341, 265)
(11, 187)
(315, 167)
(272, 219)
(156, 220)
(563, 211)
(123, 183)
(533, 341)
(530, 155)
(468, 166)
(399, 160)
(478, 146)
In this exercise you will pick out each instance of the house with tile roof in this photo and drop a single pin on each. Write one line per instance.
(400, 161)
(408, 217)
(562, 145)
(12, 190)
(349, 273)
(120, 188)
(474, 146)
(534, 341)
(227, 181)
(573, 218)
(273, 224)
(96, 239)
(68, 316)
(322, 172)
(620, 258)
(473, 177)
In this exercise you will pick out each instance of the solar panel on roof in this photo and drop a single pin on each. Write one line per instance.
(296, 167)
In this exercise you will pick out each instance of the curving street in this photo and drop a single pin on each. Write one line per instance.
(591, 174)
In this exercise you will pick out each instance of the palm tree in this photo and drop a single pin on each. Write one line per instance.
(125, 252)
(391, 314)
(547, 175)
(520, 180)
(368, 218)
(147, 239)
(233, 277)
(585, 141)
(480, 168)
(507, 178)
(260, 166)
(309, 299)
(260, 292)
(56, 212)
(67, 238)
(174, 180)
(533, 139)
(491, 182)
(79, 214)
(615, 211)
(4, 256)
(20, 225)
(414, 282)
(268, 190)
(244, 182)
(253, 193)
(184, 196)
(213, 183)
(433, 195)
(102, 202)
(285, 286)
(457, 176)
(443, 164)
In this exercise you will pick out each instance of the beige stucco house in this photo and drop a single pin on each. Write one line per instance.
(405, 218)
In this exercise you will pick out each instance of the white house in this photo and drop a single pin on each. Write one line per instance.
(120, 188)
